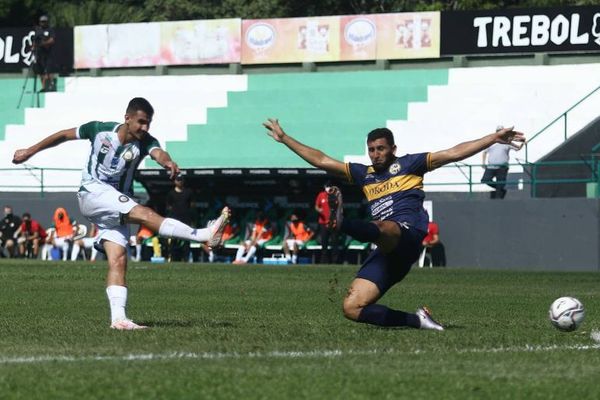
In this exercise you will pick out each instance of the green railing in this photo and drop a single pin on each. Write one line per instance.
(562, 117)
(471, 176)
(530, 177)
(36, 179)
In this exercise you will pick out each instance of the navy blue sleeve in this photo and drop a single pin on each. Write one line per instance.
(356, 173)
(416, 164)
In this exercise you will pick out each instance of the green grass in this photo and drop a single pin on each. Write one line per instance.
(271, 332)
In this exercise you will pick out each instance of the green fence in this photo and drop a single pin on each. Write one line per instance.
(34, 179)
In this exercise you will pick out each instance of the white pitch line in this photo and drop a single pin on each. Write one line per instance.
(282, 354)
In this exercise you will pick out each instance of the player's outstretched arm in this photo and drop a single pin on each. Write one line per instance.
(23, 155)
(467, 149)
(314, 157)
(164, 159)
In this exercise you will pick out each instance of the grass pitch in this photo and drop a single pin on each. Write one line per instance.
(277, 332)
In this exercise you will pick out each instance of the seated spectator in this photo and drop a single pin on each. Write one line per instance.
(297, 234)
(64, 230)
(433, 246)
(143, 234)
(260, 233)
(86, 243)
(30, 235)
(8, 227)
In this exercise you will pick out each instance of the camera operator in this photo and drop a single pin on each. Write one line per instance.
(43, 43)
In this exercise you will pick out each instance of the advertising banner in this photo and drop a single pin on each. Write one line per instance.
(157, 43)
(408, 35)
(200, 42)
(16, 54)
(567, 29)
(290, 40)
(358, 37)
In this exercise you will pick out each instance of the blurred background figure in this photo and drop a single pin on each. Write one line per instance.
(261, 232)
(43, 44)
(64, 230)
(30, 235)
(325, 202)
(433, 252)
(495, 162)
(297, 234)
(10, 224)
(179, 206)
(85, 243)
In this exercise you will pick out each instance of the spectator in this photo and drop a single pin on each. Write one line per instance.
(297, 234)
(30, 235)
(43, 44)
(144, 234)
(9, 226)
(179, 206)
(433, 246)
(86, 243)
(261, 233)
(64, 230)
(495, 162)
(326, 206)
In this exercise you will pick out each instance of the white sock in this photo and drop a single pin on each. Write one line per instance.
(294, 259)
(211, 256)
(239, 255)
(251, 252)
(45, 255)
(75, 252)
(138, 252)
(117, 298)
(65, 250)
(94, 254)
(172, 228)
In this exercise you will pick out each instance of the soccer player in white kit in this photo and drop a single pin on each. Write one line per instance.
(106, 187)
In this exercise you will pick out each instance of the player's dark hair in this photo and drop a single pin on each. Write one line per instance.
(26, 215)
(381, 133)
(140, 104)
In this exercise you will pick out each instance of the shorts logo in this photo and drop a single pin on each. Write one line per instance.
(123, 198)
(394, 168)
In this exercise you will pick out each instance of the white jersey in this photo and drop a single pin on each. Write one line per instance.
(110, 161)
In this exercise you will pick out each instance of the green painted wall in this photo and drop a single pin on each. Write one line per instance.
(329, 111)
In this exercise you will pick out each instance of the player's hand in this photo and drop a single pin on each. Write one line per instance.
(509, 135)
(173, 169)
(274, 129)
(21, 156)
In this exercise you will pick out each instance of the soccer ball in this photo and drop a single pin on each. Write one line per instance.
(566, 313)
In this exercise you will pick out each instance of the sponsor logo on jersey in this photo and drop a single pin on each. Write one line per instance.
(128, 155)
(394, 168)
(123, 198)
(400, 183)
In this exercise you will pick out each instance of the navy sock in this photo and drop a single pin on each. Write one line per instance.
(360, 230)
(377, 314)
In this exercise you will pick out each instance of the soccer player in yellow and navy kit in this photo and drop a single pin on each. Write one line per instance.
(394, 188)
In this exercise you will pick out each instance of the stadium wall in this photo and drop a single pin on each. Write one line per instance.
(530, 234)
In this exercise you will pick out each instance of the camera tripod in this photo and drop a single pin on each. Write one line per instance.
(35, 95)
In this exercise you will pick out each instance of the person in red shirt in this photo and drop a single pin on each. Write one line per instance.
(29, 236)
(325, 205)
(433, 245)
(298, 233)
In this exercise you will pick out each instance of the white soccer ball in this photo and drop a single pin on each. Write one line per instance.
(566, 313)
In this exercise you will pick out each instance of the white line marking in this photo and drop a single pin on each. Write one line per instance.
(282, 354)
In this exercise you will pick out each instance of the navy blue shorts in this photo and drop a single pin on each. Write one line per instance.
(385, 270)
